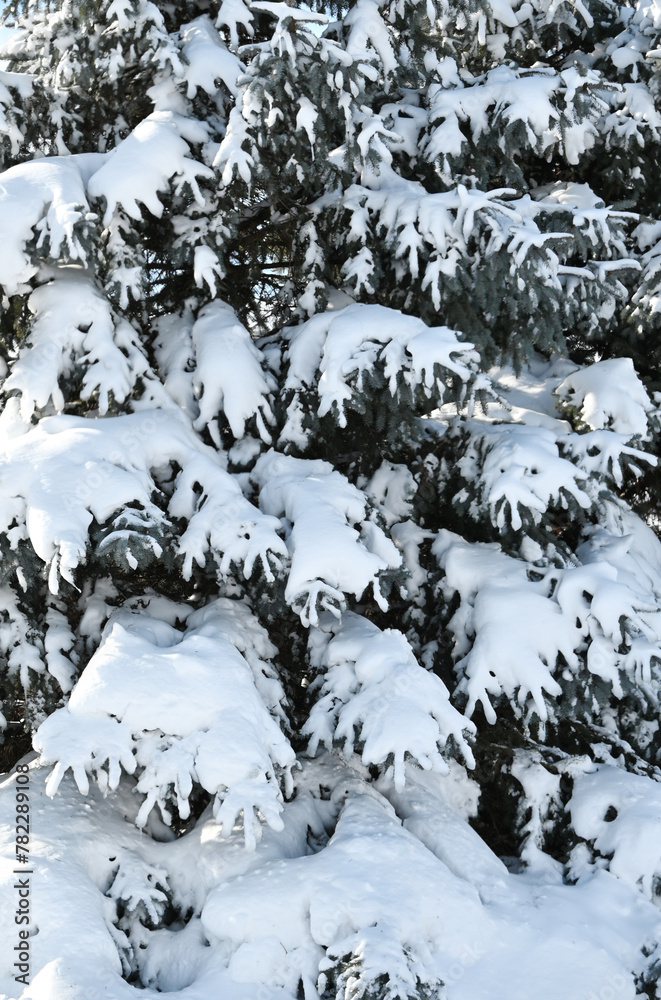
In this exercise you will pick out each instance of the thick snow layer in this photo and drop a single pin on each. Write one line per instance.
(329, 557)
(393, 487)
(632, 597)
(618, 814)
(74, 327)
(522, 670)
(375, 693)
(230, 374)
(603, 609)
(543, 392)
(628, 544)
(436, 809)
(232, 154)
(519, 473)
(337, 351)
(608, 394)
(339, 903)
(529, 396)
(647, 297)
(502, 99)
(440, 932)
(68, 470)
(368, 36)
(207, 59)
(46, 197)
(410, 892)
(173, 351)
(231, 14)
(142, 166)
(175, 708)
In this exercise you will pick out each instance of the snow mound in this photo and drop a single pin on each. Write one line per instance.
(329, 919)
(608, 394)
(596, 619)
(45, 198)
(176, 709)
(618, 814)
(518, 473)
(493, 667)
(420, 903)
(142, 166)
(507, 101)
(207, 59)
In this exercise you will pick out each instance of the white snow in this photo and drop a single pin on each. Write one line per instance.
(603, 452)
(329, 557)
(619, 813)
(230, 374)
(174, 708)
(67, 470)
(142, 166)
(306, 119)
(375, 693)
(437, 227)
(598, 608)
(9, 121)
(521, 473)
(336, 350)
(362, 876)
(368, 37)
(207, 58)
(48, 197)
(73, 326)
(231, 14)
(608, 394)
(503, 97)
(523, 670)
(413, 893)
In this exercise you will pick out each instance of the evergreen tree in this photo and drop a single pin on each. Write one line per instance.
(330, 590)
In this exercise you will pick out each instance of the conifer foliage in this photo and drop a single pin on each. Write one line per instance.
(330, 587)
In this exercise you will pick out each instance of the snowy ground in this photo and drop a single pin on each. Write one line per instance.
(408, 876)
